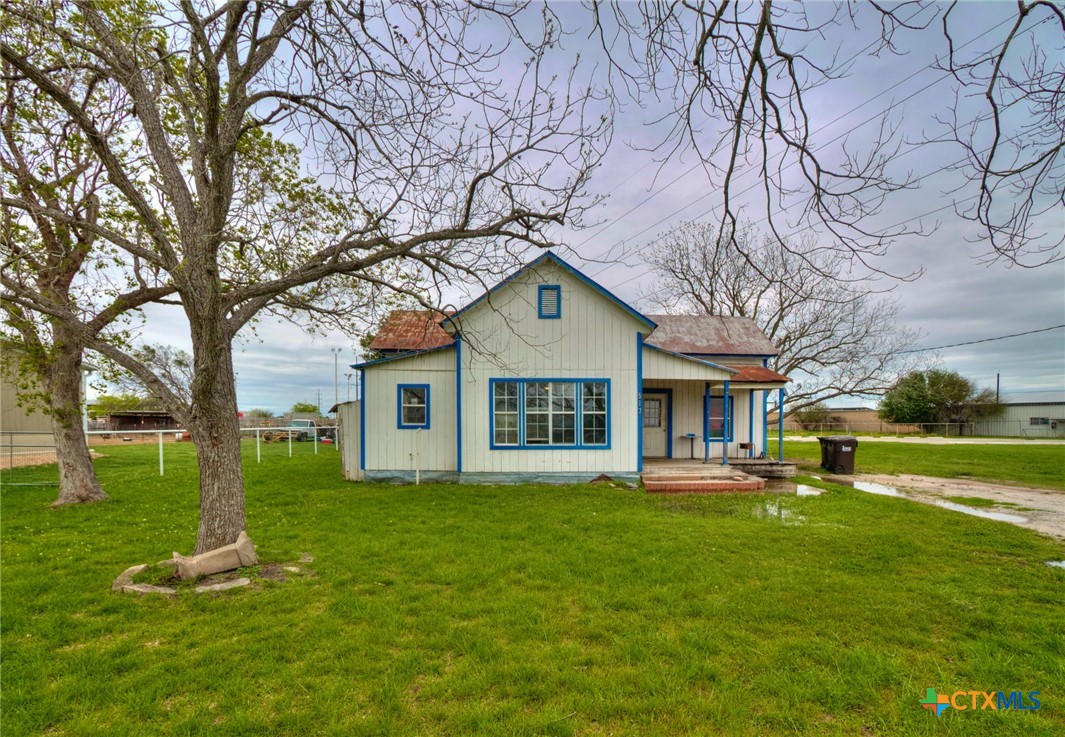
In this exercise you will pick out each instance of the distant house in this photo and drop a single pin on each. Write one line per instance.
(148, 419)
(28, 419)
(548, 376)
(146, 415)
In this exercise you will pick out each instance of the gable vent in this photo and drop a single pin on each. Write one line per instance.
(550, 302)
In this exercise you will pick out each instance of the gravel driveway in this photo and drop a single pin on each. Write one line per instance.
(1042, 510)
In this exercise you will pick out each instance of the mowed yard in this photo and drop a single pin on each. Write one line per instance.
(529, 610)
(1024, 464)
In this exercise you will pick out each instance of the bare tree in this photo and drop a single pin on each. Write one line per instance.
(172, 366)
(835, 337)
(742, 79)
(739, 77)
(431, 155)
(1008, 117)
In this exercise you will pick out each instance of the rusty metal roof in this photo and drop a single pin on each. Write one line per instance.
(756, 375)
(411, 330)
(700, 335)
(710, 335)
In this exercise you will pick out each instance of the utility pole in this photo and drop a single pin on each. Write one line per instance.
(348, 376)
(336, 376)
(998, 376)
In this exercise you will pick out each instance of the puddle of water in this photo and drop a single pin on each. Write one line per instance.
(804, 490)
(871, 488)
(1000, 516)
(780, 512)
(1056, 563)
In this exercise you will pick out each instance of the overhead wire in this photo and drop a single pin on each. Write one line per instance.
(843, 134)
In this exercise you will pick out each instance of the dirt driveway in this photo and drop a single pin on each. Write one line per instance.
(1042, 510)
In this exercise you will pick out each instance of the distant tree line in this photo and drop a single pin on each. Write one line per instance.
(937, 396)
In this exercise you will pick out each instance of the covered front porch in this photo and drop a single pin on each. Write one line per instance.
(696, 415)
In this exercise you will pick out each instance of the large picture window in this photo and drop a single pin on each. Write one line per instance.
(413, 410)
(538, 413)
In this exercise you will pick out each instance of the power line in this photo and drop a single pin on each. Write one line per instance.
(884, 231)
(826, 125)
(689, 170)
(984, 340)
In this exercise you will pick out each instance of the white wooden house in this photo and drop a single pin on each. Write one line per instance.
(550, 377)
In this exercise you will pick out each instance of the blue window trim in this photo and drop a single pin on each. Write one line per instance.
(730, 418)
(579, 430)
(540, 301)
(668, 392)
(399, 407)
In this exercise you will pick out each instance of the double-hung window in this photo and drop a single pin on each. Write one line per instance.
(413, 409)
(536, 413)
(719, 419)
(505, 413)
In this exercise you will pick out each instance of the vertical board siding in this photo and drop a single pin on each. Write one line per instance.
(658, 365)
(593, 339)
(348, 421)
(389, 448)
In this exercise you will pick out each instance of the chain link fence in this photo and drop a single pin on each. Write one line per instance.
(27, 459)
(982, 428)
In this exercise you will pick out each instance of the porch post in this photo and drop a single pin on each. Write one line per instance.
(750, 424)
(725, 402)
(780, 425)
(706, 424)
(765, 423)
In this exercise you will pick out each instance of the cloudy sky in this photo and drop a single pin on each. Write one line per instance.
(957, 299)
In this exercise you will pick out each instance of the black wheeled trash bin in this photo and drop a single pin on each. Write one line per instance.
(824, 451)
(837, 453)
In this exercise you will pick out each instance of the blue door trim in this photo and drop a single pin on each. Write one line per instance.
(669, 416)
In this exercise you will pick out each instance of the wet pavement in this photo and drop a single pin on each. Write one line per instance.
(1042, 510)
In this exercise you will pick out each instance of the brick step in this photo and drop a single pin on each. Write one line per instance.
(687, 484)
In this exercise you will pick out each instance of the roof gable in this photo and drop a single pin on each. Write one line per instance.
(710, 335)
(587, 280)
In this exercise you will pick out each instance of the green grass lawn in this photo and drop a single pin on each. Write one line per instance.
(1026, 465)
(581, 610)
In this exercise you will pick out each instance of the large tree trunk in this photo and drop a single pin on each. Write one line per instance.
(215, 430)
(77, 477)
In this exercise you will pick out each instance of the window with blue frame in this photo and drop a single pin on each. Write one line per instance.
(413, 407)
(550, 301)
(719, 419)
(538, 413)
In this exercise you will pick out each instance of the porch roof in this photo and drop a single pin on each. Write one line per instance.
(758, 377)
